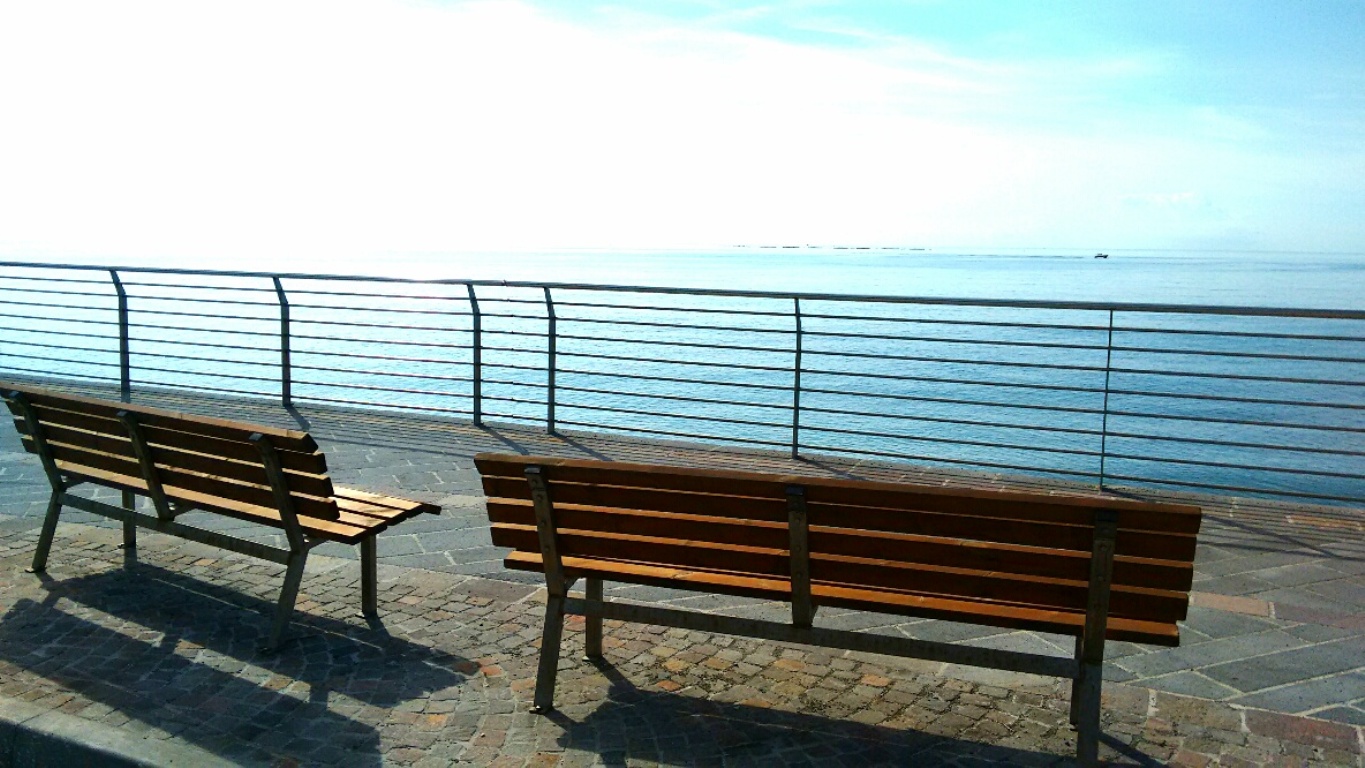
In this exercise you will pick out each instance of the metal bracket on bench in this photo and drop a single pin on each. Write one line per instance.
(803, 610)
(280, 487)
(143, 451)
(35, 431)
(545, 527)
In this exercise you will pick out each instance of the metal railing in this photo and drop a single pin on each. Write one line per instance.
(1230, 400)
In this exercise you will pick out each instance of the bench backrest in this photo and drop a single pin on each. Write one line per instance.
(214, 462)
(1018, 549)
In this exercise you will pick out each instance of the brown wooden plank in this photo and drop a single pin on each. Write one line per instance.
(284, 439)
(981, 503)
(945, 581)
(174, 458)
(406, 506)
(313, 462)
(207, 485)
(1012, 617)
(324, 529)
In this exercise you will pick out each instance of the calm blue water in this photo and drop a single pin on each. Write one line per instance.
(1173, 400)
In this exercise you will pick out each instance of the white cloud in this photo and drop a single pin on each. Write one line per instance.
(327, 130)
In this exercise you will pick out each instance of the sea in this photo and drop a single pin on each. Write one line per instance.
(1040, 361)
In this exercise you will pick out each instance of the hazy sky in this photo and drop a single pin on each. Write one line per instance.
(206, 131)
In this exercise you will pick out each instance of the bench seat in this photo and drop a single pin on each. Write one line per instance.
(181, 462)
(1095, 568)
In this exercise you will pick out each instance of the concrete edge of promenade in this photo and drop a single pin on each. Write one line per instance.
(35, 737)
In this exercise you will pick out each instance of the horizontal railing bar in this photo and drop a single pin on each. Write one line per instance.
(513, 417)
(50, 305)
(1251, 355)
(38, 279)
(206, 344)
(666, 414)
(676, 380)
(896, 377)
(936, 340)
(22, 356)
(168, 356)
(1238, 377)
(949, 360)
(732, 366)
(702, 310)
(510, 383)
(1236, 334)
(393, 310)
(1190, 309)
(402, 406)
(960, 422)
(1233, 465)
(506, 399)
(190, 374)
(396, 342)
(680, 398)
(67, 347)
(398, 374)
(296, 291)
(199, 286)
(959, 401)
(389, 326)
(91, 376)
(391, 358)
(192, 300)
(676, 326)
(1234, 444)
(155, 326)
(375, 388)
(1230, 399)
(55, 319)
(1243, 422)
(201, 315)
(670, 433)
(950, 440)
(55, 292)
(672, 343)
(957, 322)
(49, 332)
(1233, 488)
(942, 460)
(515, 367)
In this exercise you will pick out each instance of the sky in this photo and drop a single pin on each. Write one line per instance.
(224, 134)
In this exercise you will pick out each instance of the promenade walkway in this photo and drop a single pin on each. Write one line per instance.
(161, 661)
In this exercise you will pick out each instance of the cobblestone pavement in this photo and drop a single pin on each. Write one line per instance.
(1271, 668)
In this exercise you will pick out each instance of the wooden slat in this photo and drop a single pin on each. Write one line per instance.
(209, 486)
(284, 439)
(946, 581)
(174, 458)
(1013, 617)
(310, 462)
(982, 503)
(405, 506)
(967, 553)
(325, 529)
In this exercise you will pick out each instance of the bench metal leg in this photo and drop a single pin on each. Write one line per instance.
(129, 531)
(288, 596)
(1087, 708)
(592, 630)
(549, 655)
(54, 510)
(1076, 686)
(369, 578)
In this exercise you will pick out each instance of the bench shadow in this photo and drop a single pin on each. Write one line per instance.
(183, 657)
(635, 726)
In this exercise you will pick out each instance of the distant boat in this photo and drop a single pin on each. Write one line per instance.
(1101, 255)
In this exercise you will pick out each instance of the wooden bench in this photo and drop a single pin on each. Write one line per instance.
(276, 477)
(1093, 568)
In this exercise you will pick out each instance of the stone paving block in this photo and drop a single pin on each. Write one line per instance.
(1290, 666)
(1190, 683)
(1303, 697)
(1167, 660)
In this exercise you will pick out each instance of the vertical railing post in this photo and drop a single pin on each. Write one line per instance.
(551, 363)
(478, 354)
(796, 381)
(1104, 421)
(286, 368)
(125, 373)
